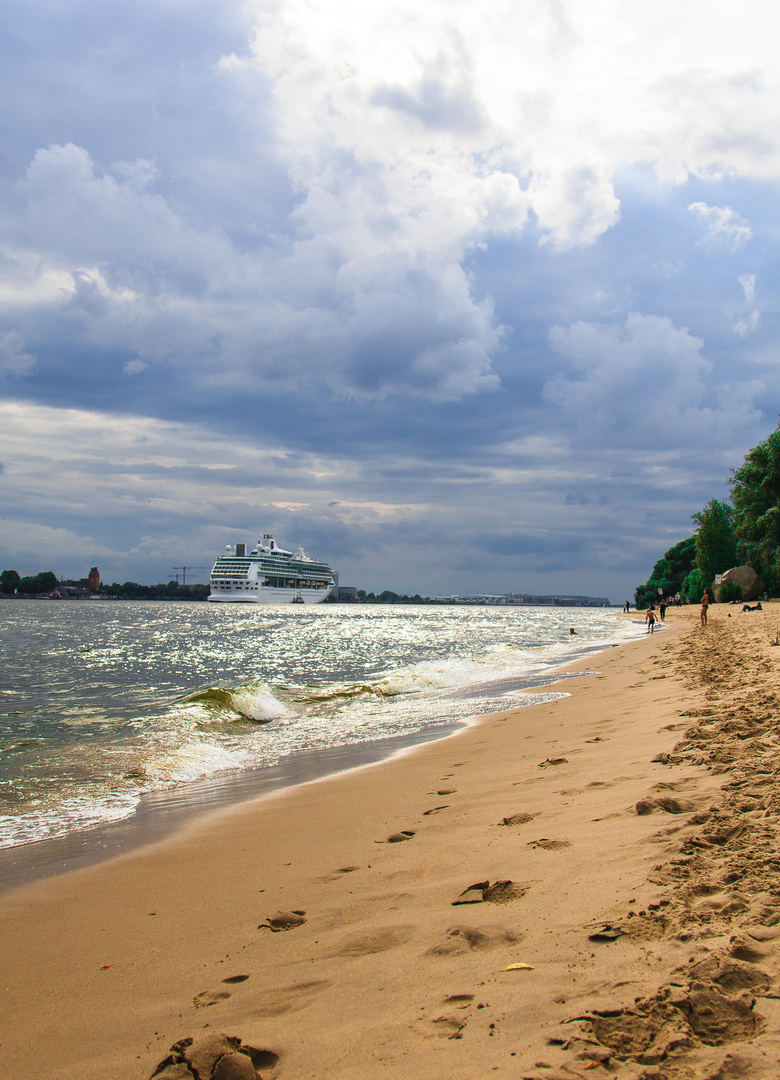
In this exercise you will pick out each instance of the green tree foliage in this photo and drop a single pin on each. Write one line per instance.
(716, 544)
(693, 587)
(729, 591)
(668, 573)
(755, 491)
(9, 581)
(168, 590)
(38, 583)
(389, 597)
(131, 590)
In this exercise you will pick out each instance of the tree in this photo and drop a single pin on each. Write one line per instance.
(716, 545)
(693, 586)
(9, 581)
(668, 573)
(46, 581)
(755, 491)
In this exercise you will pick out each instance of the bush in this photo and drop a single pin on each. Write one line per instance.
(729, 591)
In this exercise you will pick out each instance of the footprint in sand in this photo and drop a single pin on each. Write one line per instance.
(549, 845)
(435, 810)
(283, 920)
(214, 1057)
(336, 874)
(712, 1017)
(209, 997)
(283, 999)
(729, 974)
(500, 892)
(376, 942)
(518, 819)
(553, 761)
(449, 1027)
(460, 940)
(666, 803)
(213, 997)
(397, 837)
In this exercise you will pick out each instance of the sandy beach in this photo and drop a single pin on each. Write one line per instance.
(587, 886)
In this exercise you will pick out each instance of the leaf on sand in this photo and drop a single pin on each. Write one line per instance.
(519, 967)
(105, 967)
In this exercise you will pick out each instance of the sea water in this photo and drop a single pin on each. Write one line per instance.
(102, 702)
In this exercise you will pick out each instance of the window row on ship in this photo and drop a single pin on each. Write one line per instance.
(273, 583)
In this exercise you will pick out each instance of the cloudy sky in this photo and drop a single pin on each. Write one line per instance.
(459, 297)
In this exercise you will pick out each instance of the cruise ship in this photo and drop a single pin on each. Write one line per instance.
(269, 575)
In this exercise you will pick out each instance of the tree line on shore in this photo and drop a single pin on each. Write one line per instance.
(744, 531)
(387, 596)
(46, 582)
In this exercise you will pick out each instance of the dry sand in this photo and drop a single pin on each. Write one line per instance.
(620, 844)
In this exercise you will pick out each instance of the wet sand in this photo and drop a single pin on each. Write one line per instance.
(619, 844)
(163, 812)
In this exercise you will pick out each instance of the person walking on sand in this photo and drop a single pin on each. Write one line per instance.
(650, 619)
(705, 603)
(662, 610)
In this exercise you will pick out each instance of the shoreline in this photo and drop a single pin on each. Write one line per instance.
(601, 827)
(161, 812)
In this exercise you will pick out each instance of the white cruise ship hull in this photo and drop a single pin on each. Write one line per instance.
(271, 596)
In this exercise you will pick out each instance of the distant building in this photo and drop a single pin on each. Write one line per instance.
(526, 599)
(86, 588)
(347, 594)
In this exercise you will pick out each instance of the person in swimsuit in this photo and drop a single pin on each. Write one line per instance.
(705, 603)
(650, 619)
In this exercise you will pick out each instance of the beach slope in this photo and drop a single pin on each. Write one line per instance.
(583, 886)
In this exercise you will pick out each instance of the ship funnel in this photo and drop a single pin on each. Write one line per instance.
(240, 549)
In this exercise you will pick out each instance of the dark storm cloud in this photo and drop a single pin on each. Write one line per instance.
(275, 267)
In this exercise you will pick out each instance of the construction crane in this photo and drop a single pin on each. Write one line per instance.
(184, 570)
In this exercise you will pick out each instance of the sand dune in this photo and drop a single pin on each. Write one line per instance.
(585, 887)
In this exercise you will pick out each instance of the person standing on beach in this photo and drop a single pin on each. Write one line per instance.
(662, 610)
(650, 619)
(705, 603)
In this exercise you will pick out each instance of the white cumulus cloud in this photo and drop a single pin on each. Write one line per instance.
(722, 225)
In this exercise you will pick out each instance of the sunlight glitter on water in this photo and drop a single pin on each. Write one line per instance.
(102, 702)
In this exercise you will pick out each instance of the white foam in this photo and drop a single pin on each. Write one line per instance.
(192, 761)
